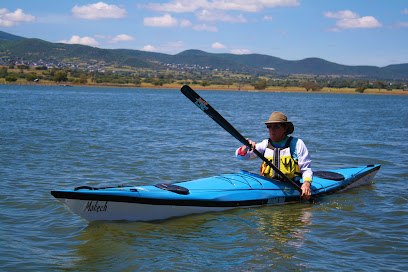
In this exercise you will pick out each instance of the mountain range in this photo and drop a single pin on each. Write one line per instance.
(31, 49)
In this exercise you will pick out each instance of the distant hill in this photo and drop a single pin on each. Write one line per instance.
(259, 62)
(9, 37)
(16, 47)
(36, 49)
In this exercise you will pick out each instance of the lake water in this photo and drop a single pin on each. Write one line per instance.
(64, 137)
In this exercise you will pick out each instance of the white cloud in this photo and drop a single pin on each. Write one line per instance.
(281, 31)
(252, 6)
(267, 18)
(185, 23)
(168, 21)
(349, 19)
(78, 40)
(209, 11)
(164, 21)
(240, 51)
(333, 29)
(218, 45)
(149, 48)
(343, 14)
(97, 11)
(169, 47)
(8, 19)
(114, 39)
(98, 36)
(214, 15)
(240, 5)
(178, 6)
(176, 44)
(205, 27)
(122, 38)
(402, 24)
(363, 22)
(405, 11)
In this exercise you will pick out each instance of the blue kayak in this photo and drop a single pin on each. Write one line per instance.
(211, 194)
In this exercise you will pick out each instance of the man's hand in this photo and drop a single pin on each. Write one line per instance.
(244, 148)
(306, 192)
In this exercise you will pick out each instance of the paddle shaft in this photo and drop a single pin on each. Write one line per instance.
(211, 112)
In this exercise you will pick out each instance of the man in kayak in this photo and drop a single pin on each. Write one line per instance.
(288, 154)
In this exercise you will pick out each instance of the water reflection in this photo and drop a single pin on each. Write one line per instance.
(281, 233)
(242, 239)
(283, 227)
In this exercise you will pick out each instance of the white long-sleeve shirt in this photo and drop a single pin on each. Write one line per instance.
(298, 150)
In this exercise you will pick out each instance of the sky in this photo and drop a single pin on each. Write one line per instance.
(350, 32)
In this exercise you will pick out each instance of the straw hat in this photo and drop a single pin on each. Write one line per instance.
(280, 118)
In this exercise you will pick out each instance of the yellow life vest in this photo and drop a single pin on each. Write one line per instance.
(282, 159)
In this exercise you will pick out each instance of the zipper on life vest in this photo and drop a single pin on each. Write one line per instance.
(276, 161)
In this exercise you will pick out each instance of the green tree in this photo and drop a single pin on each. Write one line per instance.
(311, 86)
(148, 80)
(60, 76)
(379, 85)
(157, 82)
(362, 83)
(83, 78)
(41, 68)
(11, 78)
(260, 85)
(23, 67)
(3, 71)
(136, 81)
(361, 89)
(397, 85)
(205, 83)
(342, 84)
(307, 85)
(31, 77)
(12, 62)
(240, 84)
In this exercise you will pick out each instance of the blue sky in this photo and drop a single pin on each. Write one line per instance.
(352, 32)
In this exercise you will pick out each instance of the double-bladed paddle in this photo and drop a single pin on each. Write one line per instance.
(210, 111)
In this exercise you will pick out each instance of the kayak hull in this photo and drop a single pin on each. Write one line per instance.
(214, 194)
(88, 209)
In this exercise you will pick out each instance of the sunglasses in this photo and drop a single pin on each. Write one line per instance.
(274, 126)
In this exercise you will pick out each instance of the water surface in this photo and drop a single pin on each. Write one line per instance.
(63, 137)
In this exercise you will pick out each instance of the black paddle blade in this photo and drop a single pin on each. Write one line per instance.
(211, 112)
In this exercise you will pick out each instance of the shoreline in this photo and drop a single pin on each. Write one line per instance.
(218, 88)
